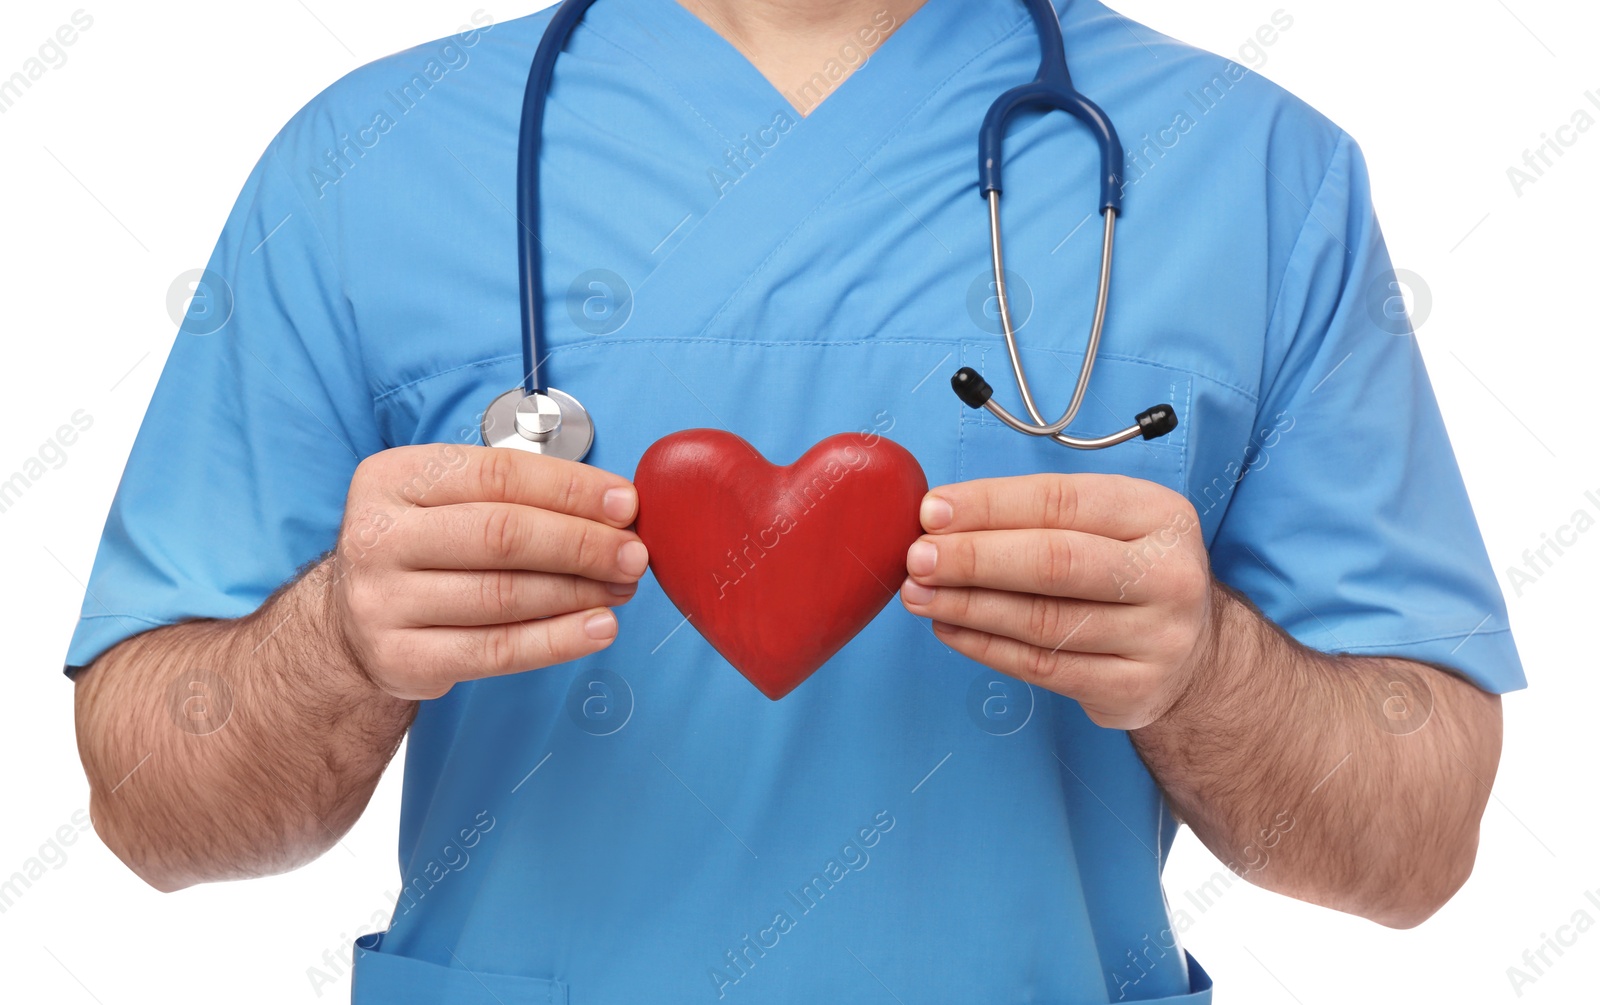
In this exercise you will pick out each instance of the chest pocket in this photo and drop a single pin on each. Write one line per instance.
(1119, 389)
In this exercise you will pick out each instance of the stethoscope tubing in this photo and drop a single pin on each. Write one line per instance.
(1051, 89)
(529, 141)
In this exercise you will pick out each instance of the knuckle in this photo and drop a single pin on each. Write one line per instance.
(1039, 664)
(528, 645)
(535, 643)
(363, 475)
(389, 658)
(1175, 515)
(986, 507)
(1044, 618)
(362, 603)
(497, 649)
(500, 532)
(960, 605)
(1178, 507)
(977, 644)
(377, 466)
(497, 474)
(1057, 558)
(1134, 691)
(1167, 637)
(1060, 502)
(571, 488)
(587, 546)
(1187, 518)
(497, 591)
(967, 562)
(1188, 580)
(579, 594)
(1127, 688)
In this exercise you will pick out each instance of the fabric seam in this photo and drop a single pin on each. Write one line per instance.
(1418, 642)
(602, 36)
(1294, 250)
(780, 344)
(861, 165)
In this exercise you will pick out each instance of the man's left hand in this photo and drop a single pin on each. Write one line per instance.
(1097, 587)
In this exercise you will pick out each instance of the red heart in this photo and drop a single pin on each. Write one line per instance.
(778, 567)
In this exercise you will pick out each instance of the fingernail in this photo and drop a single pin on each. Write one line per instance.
(601, 625)
(915, 593)
(619, 504)
(633, 558)
(921, 559)
(936, 512)
(622, 589)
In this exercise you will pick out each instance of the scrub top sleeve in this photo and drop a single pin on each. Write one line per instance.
(1346, 520)
(238, 474)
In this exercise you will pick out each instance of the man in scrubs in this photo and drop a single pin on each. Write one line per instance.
(1277, 625)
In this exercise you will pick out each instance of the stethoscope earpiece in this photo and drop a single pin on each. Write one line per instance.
(971, 388)
(1156, 421)
(1152, 423)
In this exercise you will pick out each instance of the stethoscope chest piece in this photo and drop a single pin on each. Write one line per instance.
(547, 422)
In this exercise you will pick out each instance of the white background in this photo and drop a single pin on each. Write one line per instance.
(119, 167)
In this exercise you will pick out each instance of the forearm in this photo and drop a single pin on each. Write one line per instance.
(294, 744)
(1353, 782)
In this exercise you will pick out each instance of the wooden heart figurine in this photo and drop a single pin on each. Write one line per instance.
(778, 567)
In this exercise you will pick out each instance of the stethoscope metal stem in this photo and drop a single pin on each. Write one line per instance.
(1039, 427)
(1051, 90)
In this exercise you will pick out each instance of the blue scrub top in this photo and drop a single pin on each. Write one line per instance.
(643, 824)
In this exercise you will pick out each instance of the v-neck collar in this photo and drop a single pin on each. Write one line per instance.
(725, 88)
(677, 11)
(700, 279)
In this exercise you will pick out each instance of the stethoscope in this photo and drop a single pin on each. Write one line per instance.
(550, 421)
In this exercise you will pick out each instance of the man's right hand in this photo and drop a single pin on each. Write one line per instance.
(453, 563)
(461, 562)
